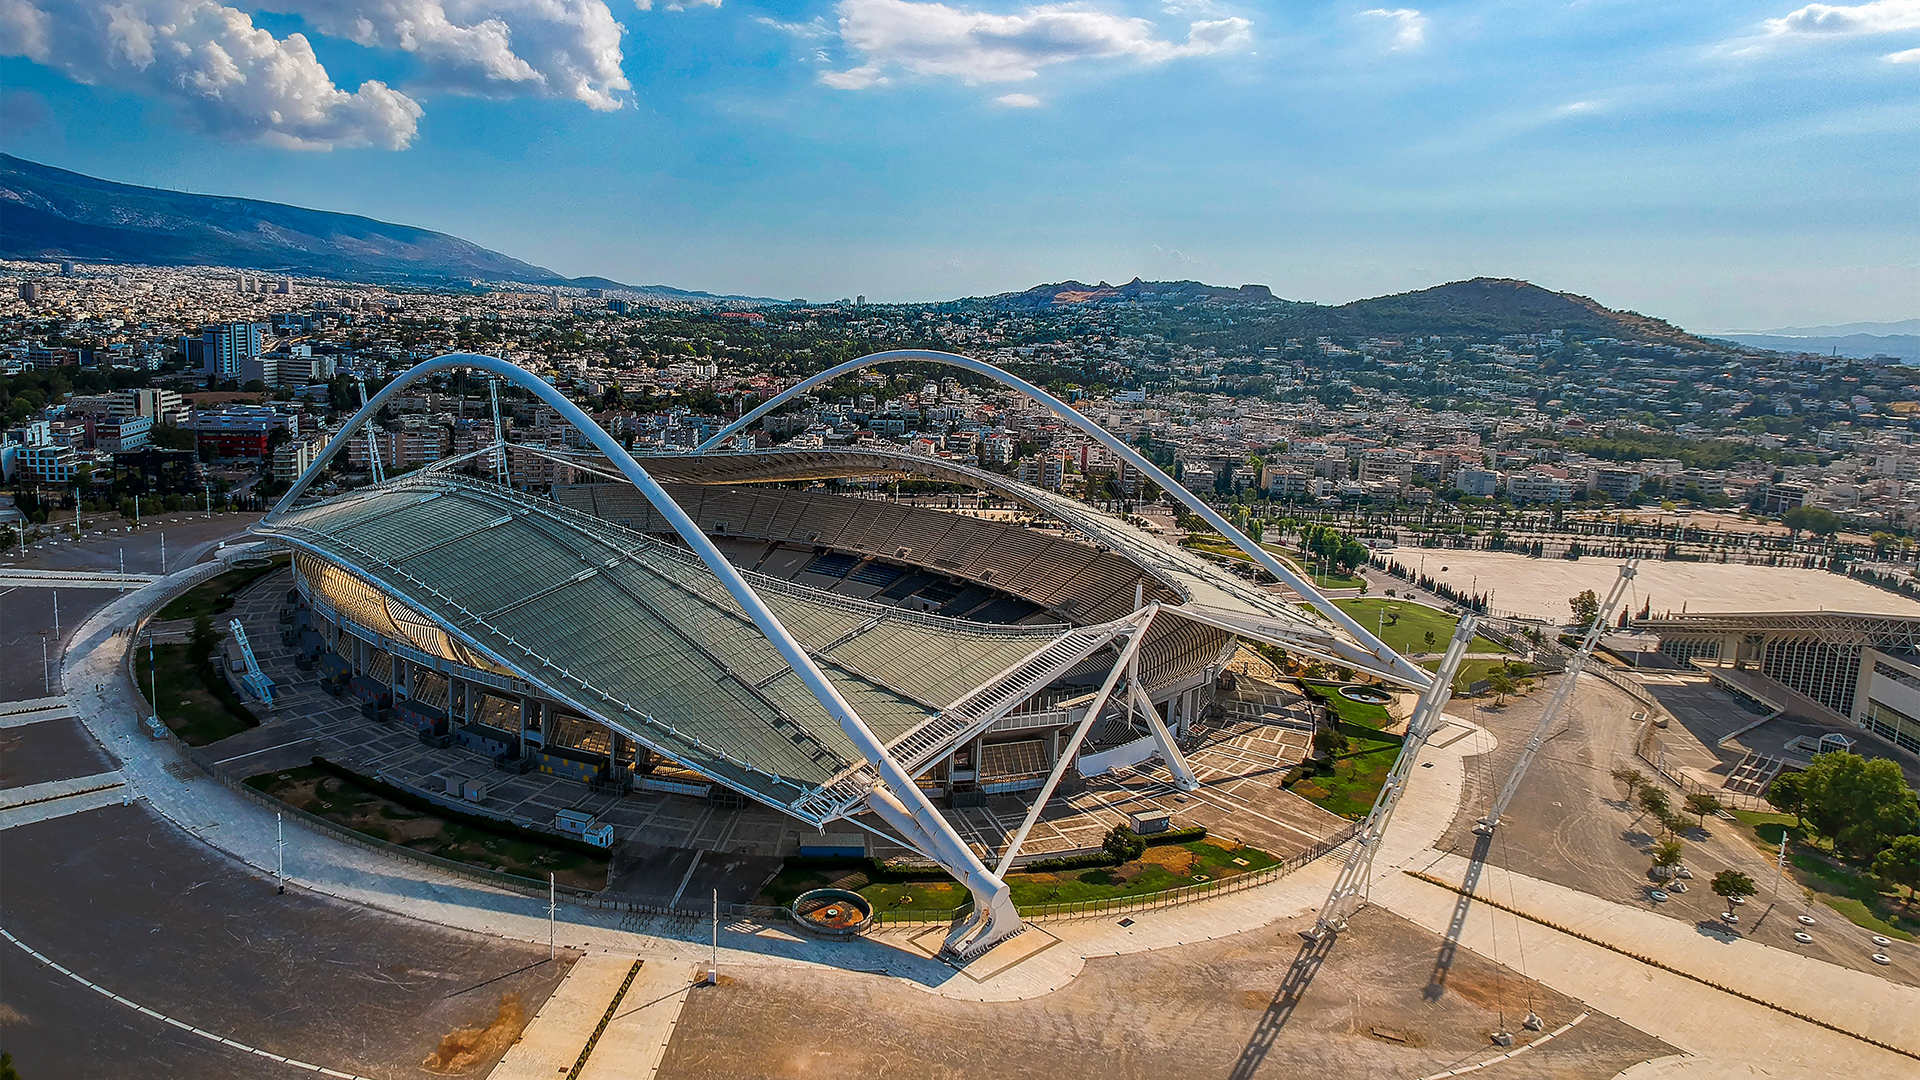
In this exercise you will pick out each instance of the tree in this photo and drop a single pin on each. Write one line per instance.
(1700, 804)
(1122, 844)
(1328, 741)
(1668, 854)
(1899, 863)
(1428, 639)
(1813, 519)
(1857, 803)
(1586, 608)
(201, 643)
(1633, 778)
(1501, 684)
(1729, 884)
(1655, 802)
(1785, 795)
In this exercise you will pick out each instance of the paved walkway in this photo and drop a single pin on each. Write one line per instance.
(1679, 1010)
(1853, 1000)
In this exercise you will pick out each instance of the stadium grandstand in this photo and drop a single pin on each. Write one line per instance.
(742, 619)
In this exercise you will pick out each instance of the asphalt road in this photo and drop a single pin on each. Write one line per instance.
(126, 900)
(129, 901)
(1570, 823)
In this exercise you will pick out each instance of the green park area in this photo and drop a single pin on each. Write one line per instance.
(392, 816)
(1358, 754)
(217, 594)
(1219, 547)
(1408, 627)
(190, 695)
(1148, 867)
(1858, 869)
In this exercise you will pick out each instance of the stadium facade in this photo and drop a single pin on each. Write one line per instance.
(1862, 669)
(734, 621)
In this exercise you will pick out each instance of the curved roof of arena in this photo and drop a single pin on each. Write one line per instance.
(640, 635)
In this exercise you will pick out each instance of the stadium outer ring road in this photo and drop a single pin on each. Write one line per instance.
(1410, 673)
(902, 804)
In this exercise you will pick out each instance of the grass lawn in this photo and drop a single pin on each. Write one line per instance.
(1162, 866)
(1472, 671)
(1853, 894)
(1415, 621)
(192, 701)
(1216, 545)
(215, 595)
(367, 812)
(1349, 787)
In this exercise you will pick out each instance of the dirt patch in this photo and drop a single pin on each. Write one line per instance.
(462, 1049)
(1171, 857)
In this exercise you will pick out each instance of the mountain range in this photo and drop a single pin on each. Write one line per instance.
(50, 213)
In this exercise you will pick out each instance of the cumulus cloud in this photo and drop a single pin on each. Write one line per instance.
(539, 48)
(1828, 20)
(932, 39)
(225, 75)
(1018, 101)
(1408, 25)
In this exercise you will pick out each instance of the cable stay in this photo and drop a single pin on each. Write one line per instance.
(1561, 695)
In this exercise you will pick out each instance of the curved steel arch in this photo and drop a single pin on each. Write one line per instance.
(1408, 671)
(903, 804)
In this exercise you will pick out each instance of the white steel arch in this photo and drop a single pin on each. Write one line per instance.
(1406, 670)
(901, 804)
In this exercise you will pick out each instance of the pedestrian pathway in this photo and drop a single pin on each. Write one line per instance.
(1855, 1001)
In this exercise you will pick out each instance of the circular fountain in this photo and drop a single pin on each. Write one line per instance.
(835, 913)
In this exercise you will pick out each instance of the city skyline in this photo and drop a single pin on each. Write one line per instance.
(1742, 167)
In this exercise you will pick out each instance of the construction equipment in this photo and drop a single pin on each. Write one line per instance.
(1349, 892)
(1561, 694)
(252, 677)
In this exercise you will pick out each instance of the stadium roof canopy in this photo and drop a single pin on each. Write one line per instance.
(640, 635)
(822, 704)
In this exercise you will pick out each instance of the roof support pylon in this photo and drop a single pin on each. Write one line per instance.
(1561, 694)
(1350, 889)
(1121, 666)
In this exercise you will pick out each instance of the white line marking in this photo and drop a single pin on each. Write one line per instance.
(104, 992)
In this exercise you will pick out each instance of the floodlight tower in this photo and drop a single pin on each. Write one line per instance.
(1561, 694)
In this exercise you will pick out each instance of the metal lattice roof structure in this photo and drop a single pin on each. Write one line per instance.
(640, 635)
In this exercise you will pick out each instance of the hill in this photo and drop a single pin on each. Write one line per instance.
(1478, 307)
(51, 213)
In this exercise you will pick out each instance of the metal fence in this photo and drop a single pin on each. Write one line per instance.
(1650, 749)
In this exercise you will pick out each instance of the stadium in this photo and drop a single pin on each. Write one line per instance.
(743, 621)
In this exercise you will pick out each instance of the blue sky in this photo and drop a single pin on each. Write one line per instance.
(1726, 165)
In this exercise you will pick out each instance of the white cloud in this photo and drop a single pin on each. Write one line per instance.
(932, 39)
(225, 75)
(1018, 101)
(1906, 56)
(1408, 25)
(539, 48)
(812, 30)
(1829, 20)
